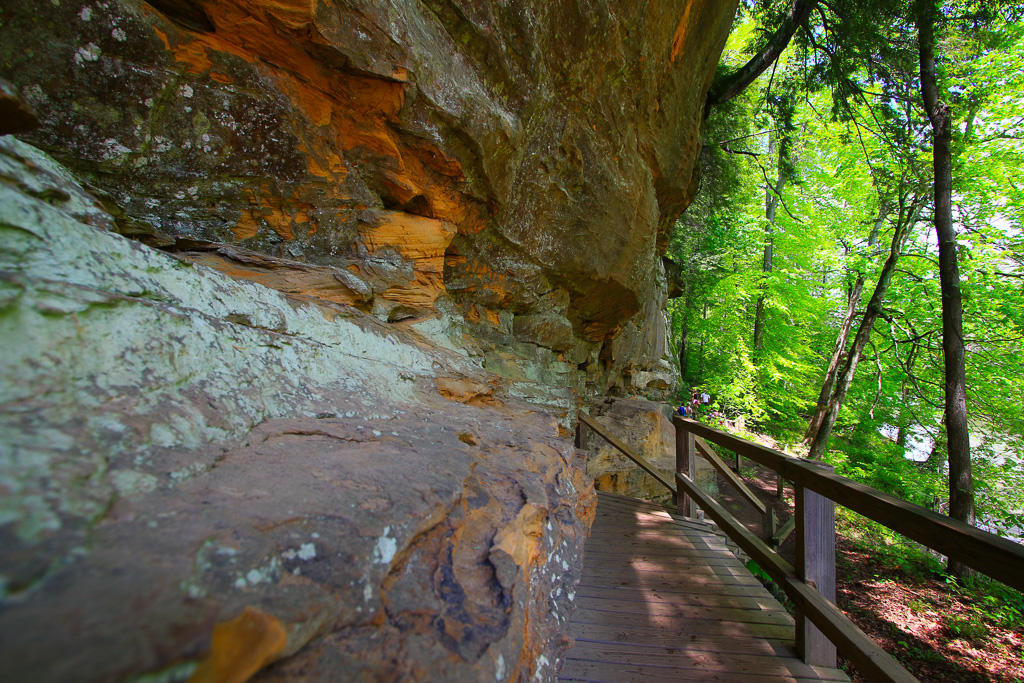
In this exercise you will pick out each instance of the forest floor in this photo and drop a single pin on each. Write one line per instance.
(937, 630)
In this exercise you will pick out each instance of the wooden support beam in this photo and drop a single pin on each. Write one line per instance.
(780, 536)
(625, 450)
(991, 555)
(769, 525)
(866, 655)
(581, 436)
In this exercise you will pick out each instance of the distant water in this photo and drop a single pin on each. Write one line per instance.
(919, 447)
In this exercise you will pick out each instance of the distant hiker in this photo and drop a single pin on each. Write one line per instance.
(705, 398)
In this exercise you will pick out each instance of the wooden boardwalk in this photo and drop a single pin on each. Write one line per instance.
(663, 599)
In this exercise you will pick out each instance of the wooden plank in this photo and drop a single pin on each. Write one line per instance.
(651, 513)
(703, 585)
(996, 557)
(656, 583)
(682, 658)
(669, 609)
(866, 655)
(655, 539)
(625, 450)
(612, 672)
(683, 558)
(768, 647)
(704, 449)
(660, 580)
(680, 567)
(677, 597)
(682, 625)
(648, 507)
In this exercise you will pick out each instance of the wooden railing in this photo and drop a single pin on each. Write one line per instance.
(817, 490)
(821, 626)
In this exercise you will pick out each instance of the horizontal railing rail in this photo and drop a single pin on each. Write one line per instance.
(981, 550)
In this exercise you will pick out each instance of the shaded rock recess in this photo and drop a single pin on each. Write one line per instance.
(464, 161)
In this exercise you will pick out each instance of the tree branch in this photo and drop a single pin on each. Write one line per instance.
(728, 86)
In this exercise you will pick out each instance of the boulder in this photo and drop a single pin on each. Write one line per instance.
(549, 330)
(204, 477)
(643, 426)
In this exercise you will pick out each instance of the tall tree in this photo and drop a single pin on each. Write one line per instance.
(839, 351)
(729, 85)
(779, 145)
(903, 227)
(961, 489)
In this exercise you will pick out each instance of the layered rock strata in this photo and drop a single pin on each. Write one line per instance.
(204, 478)
(509, 170)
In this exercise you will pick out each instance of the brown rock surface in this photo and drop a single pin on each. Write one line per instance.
(536, 145)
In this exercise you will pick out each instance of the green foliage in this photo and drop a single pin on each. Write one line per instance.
(845, 94)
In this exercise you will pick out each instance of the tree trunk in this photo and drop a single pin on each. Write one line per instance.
(771, 205)
(684, 331)
(837, 355)
(874, 308)
(961, 489)
(844, 332)
(730, 85)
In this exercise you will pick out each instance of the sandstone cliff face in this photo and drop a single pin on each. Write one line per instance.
(199, 472)
(266, 327)
(508, 169)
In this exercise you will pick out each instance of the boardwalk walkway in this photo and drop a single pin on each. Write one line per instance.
(663, 599)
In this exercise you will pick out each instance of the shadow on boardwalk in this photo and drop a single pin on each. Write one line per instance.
(662, 598)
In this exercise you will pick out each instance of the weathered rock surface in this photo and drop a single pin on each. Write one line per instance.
(200, 472)
(483, 152)
(643, 426)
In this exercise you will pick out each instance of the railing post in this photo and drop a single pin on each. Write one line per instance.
(815, 564)
(769, 525)
(581, 435)
(684, 465)
(780, 487)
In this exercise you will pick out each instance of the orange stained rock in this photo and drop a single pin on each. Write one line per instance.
(522, 538)
(308, 282)
(247, 227)
(270, 208)
(465, 390)
(420, 240)
(354, 111)
(682, 31)
(241, 647)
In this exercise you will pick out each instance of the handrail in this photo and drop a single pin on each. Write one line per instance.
(729, 475)
(870, 659)
(989, 554)
(625, 450)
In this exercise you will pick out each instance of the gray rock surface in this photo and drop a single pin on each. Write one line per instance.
(183, 455)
